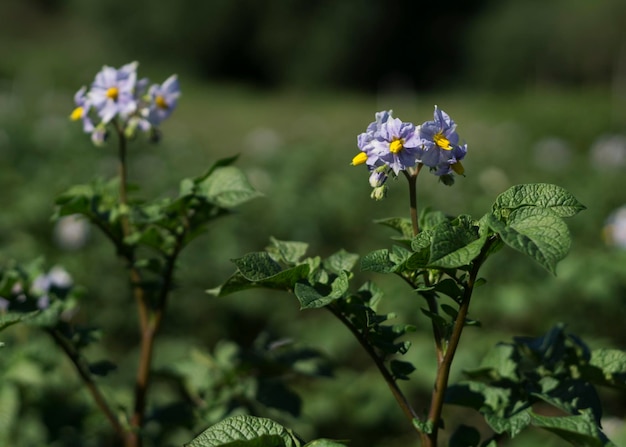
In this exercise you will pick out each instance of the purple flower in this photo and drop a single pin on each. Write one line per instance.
(397, 145)
(113, 92)
(442, 152)
(81, 112)
(364, 140)
(163, 99)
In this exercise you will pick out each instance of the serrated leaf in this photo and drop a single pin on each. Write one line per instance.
(544, 195)
(536, 232)
(245, 431)
(227, 187)
(455, 244)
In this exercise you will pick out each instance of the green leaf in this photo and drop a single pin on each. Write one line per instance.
(289, 252)
(340, 261)
(401, 369)
(606, 367)
(513, 425)
(246, 431)
(580, 430)
(324, 443)
(312, 298)
(400, 224)
(378, 261)
(11, 318)
(455, 244)
(558, 200)
(257, 266)
(430, 218)
(536, 232)
(227, 187)
(285, 280)
(218, 164)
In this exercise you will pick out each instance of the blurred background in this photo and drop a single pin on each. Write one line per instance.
(537, 88)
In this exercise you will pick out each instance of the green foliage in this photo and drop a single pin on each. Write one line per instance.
(250, 431)
(556, 370)
(528, 218)
(242, 431)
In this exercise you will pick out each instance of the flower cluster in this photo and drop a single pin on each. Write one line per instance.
(390, 145)
(37, 296)
(117, 96)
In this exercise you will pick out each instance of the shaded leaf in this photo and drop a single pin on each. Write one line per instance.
(312, 298)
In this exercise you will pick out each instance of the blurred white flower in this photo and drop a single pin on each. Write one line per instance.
(614, 231)
(609, 151)
(57, 277)
(552, 153)
(71, 232)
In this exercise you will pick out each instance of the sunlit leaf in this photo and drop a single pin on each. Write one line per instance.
(246, 431)
(555, 198)
(536, 232)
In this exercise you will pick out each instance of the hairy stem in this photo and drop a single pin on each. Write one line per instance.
(408, 411)
(412, 178)
(443, 370)
(83, 371)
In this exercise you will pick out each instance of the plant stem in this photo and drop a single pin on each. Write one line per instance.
(412, 178)
(409, 412)
(83, 371)
(443, 369)
(133, 436)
